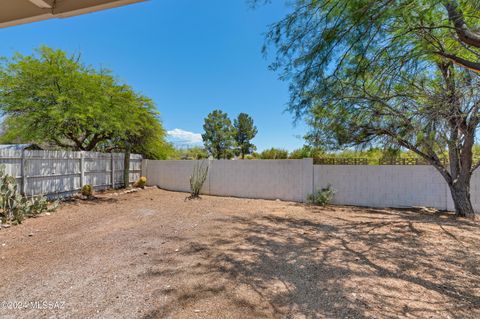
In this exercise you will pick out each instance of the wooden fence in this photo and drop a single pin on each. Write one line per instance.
(60, 173)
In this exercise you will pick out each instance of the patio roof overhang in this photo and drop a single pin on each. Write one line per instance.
(13, 12)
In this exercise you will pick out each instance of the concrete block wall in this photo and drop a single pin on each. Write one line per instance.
(383, 186)
(268, 179)
(170, 175)
(391, 186)
(290, 180)
(293, 180)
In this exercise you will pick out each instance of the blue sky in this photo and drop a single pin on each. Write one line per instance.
(189, 56)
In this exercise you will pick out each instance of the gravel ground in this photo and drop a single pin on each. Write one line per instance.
(151, 254)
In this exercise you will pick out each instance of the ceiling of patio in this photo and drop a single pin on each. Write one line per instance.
(13, 12)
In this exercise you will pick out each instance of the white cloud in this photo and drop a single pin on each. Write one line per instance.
(179, 136)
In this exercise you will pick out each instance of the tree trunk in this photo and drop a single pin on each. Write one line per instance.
(126, 167)
(461, 199)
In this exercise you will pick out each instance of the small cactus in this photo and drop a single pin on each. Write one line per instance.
(87, 190)
(15, 207)
(141, 182)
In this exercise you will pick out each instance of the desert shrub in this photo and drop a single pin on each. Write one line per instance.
(274, 153)
(13, 206)
(306, 152)
(321, 197)
(141, 182)
(198, 178)
(87, 190)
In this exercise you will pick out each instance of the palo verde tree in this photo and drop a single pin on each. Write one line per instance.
(243, 132)
(52, 99)
(218, 135)
(402, 73)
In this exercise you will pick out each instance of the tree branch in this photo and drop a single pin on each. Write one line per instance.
(465, 34)
(460, 61)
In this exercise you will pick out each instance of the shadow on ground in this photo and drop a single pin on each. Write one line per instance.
(327, 263)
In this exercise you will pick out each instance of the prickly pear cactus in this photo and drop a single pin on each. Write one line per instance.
(13, 206)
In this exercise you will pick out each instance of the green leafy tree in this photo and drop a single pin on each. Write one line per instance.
(306, 151)
(218, 135)
(142, 132)
(274, 153)
(50, 98)
(402, 73)
(148, 137)
(244, 132)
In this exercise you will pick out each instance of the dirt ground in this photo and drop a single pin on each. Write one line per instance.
(153, 255)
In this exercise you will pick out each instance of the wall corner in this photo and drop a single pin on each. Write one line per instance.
(145, 168)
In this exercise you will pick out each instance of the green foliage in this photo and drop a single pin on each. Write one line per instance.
(306, 152)
(253, 156)
(221, 136)
(155, 148)
(141, 182)
(274, 153)
(50, 98)
(244, 132)
(13, 206)
(373, 155)
(198, 178)
(381, 73)
(193, 153)
(321, 197)
(218, 135)
(87, 190)
(143, 132)
(39, 204)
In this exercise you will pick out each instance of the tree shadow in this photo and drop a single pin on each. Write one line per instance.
(367, 263)
(94, 200)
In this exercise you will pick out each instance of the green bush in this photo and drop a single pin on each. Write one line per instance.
(321, 197)
(306, 152)
(13, 206)
(87, 190)
(274, 153)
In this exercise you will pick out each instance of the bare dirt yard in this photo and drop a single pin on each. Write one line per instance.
(153, 255)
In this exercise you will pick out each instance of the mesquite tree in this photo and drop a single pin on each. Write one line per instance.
(402, 73)
(51, 98)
